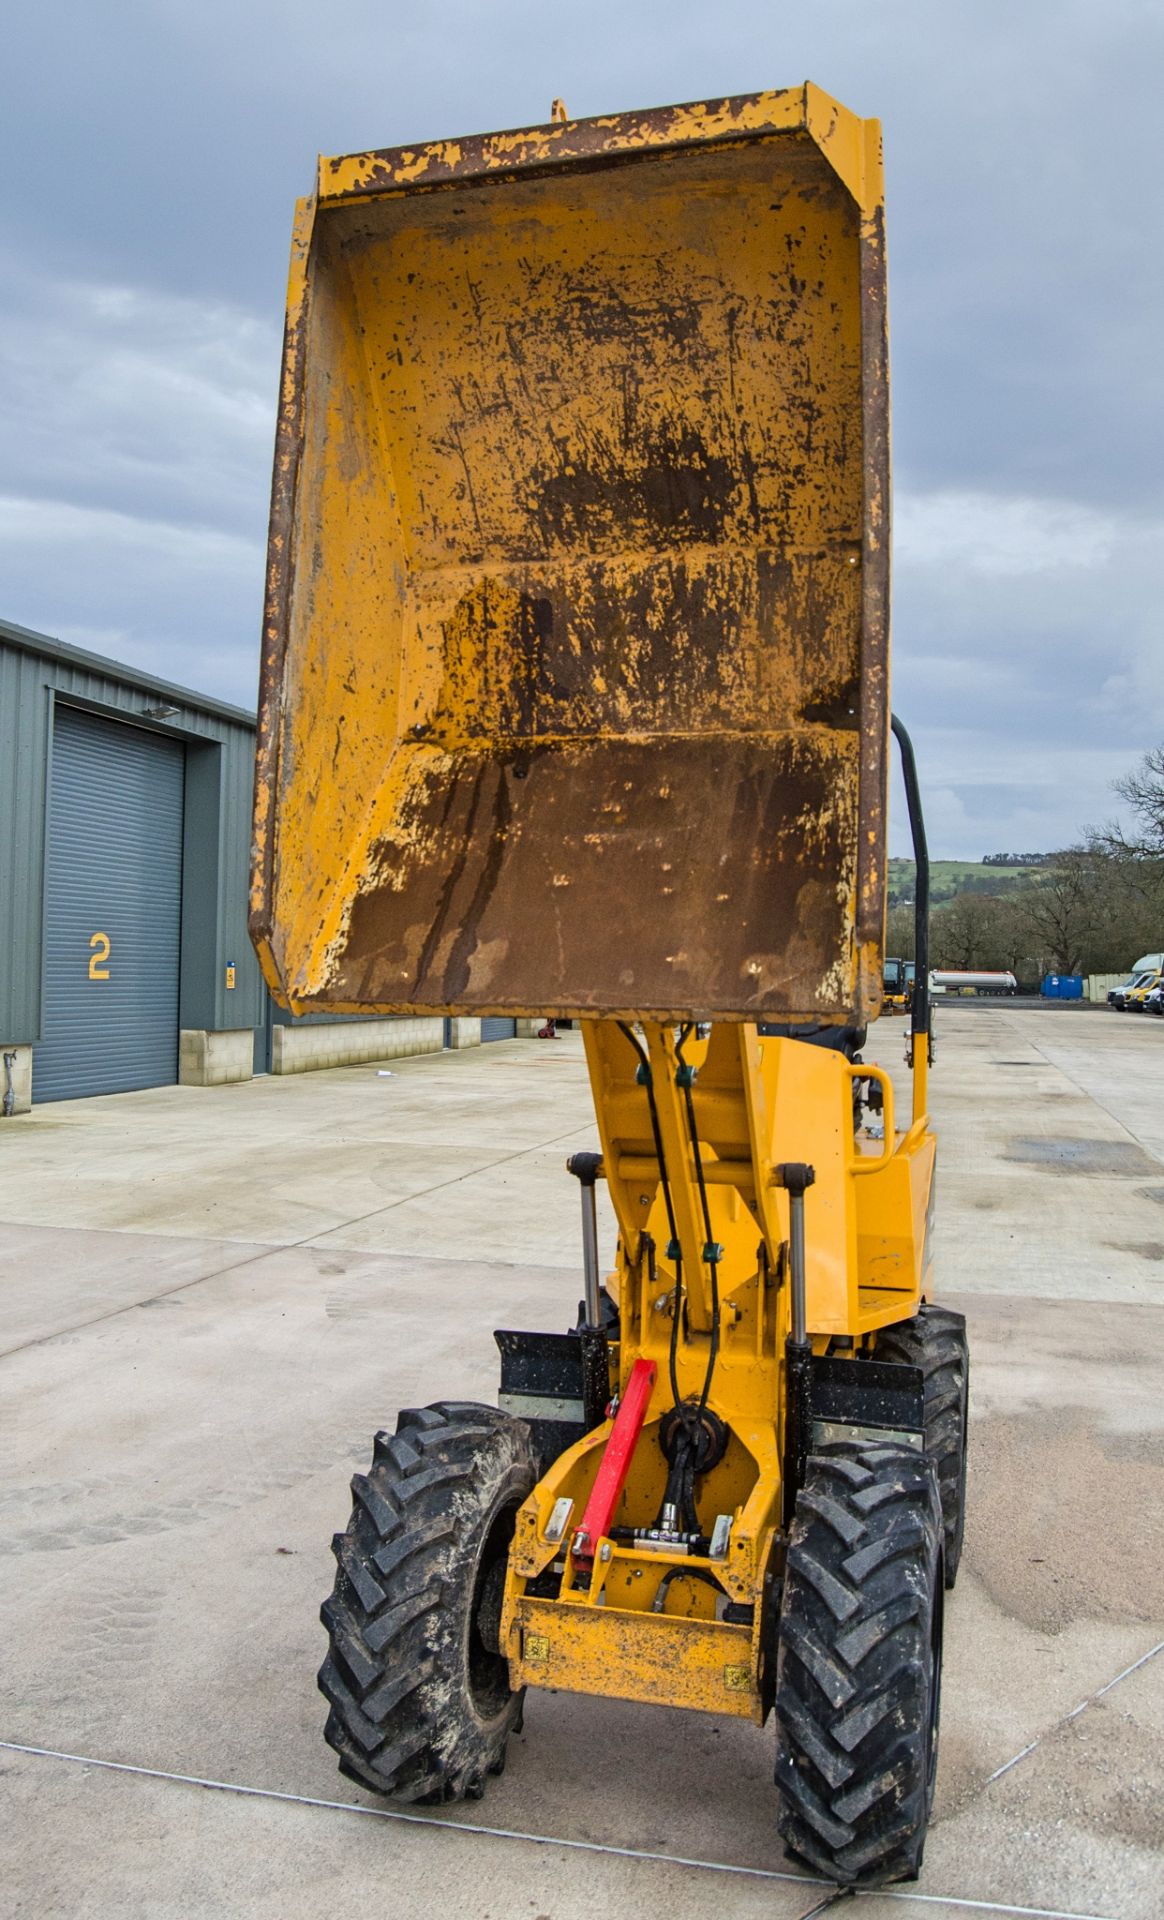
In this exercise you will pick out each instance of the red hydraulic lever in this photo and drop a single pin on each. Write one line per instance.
(616, 1459)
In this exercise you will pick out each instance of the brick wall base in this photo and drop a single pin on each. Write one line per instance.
(349, 1043)
(464, 1032)
(207, 1059)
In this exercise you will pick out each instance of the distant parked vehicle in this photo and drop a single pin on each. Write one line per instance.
(1138, 997)
(951, 980)
(896, 985)
(1118, 996)
(1155, 1001)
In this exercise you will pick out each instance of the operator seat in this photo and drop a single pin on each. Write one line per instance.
(846, 1040)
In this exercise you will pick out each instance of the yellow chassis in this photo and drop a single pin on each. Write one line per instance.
(758, 1102)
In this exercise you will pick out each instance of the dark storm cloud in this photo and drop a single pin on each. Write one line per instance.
(152, 156)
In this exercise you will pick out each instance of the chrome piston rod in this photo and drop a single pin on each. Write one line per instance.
(586, 1167)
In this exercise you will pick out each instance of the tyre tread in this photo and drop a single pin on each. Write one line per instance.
(935, 1341)
(396, 1718)
(853, 1693)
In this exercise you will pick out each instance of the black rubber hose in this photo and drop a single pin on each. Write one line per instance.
(920, 1003)
(713, 1263)
(683, 1573)
(648, 1082)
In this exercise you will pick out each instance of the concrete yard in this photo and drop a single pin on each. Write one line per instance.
(212, 1298)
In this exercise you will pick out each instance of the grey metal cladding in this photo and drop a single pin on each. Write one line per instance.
(113, 909)
(36, 673)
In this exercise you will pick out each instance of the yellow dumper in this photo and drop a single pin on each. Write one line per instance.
(575, 702)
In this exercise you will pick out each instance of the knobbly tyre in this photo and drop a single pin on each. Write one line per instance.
(575, 704)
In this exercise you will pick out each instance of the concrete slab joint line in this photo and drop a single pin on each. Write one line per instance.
(1075, 1712)
(825, 1906)
(273, 1251)
(552, 1840)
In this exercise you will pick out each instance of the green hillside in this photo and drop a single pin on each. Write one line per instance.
(951, 877)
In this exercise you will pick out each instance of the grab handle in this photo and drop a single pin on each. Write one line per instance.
(872, 1163)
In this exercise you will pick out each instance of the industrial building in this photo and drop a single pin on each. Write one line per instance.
(125, 814)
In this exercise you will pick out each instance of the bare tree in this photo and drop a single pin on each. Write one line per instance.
(1135, 861)
(965, 932)
(1143, 790)
(899, 932)
(1069, 914)
(1089, 909)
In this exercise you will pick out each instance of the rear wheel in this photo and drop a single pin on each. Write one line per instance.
(935, 1341)
(859, 1660)
(421, 1706)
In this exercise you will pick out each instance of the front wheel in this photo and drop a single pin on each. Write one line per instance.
(859, 1662)
(935, 1341)
(418, 1688)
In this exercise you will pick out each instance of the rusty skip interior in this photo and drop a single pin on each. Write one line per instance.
(575, 688)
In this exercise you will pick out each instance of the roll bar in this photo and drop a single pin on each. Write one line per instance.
(921, 1020)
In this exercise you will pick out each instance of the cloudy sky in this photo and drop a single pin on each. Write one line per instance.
(153, 150)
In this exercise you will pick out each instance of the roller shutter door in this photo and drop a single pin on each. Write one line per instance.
(498, 1029)
(112, 910)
